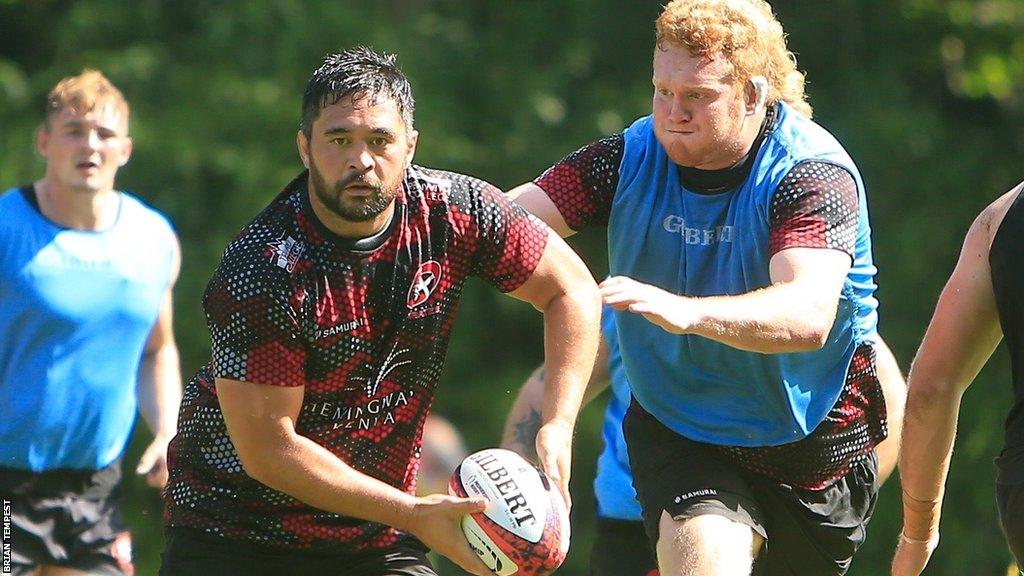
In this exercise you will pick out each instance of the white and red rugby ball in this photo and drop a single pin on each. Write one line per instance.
(525, 529)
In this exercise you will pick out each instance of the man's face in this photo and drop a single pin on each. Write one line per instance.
(357, 155)
(699, 115)
(84, 150)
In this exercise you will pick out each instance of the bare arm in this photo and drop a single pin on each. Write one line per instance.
(894, 388)
(523, 421)
(158, 386)
(794, 314)
(562, 288)
(536, 201)
(261, 422)
(961, 337)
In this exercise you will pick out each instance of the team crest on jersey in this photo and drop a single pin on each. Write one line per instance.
(424, 282)
(284, 253)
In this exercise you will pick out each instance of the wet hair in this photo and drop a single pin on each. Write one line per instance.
(746, 33)
(360, 73)
(88, 91)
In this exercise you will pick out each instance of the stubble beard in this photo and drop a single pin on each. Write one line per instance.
(360, 209)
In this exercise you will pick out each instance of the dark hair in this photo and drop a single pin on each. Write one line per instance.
(358, 72)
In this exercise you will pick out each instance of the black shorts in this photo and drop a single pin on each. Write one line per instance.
(622, 549)
(812, 532)
(1010, 501)
(67, 518)
(189, 552)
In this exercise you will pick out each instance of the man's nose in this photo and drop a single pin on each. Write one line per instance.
(93, 140)
(361, 158)
(679, 111)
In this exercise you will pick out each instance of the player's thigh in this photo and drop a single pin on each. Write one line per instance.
(684, 479)
(709, 544)
(621, 548)
(714, 522)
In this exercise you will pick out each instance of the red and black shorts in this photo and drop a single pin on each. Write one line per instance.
(188, 552)
(67, 518)
(807, 532)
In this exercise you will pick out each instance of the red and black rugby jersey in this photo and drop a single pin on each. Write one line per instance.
(364, 328)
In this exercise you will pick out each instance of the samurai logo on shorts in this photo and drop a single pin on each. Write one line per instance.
(427, 277)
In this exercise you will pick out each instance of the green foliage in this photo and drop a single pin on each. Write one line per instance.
(926, 94)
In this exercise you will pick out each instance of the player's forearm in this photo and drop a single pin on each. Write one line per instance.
(571, 333)
(524, 418)
(291, 463)
(159, 390)
(776, 319)
(929, 430)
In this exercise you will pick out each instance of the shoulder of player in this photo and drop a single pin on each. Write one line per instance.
(444, 184)
(799, 138)
(989, 220)
(817, 170)
(10, 201)
(144, 215)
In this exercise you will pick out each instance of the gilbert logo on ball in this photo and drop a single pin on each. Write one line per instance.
(525, 529)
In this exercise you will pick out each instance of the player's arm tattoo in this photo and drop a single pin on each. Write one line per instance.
(528, 424)
(526, 432)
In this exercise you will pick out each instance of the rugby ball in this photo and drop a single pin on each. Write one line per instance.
(525, 529)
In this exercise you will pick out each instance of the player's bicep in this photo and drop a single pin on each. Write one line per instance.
(818, 271)
(965, 329)
(536, 201)
(258, 416)
(559, 271)
(162, 332)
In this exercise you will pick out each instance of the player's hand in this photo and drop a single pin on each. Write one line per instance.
(912, 555)
(437, 522)
(675, 314)
(153, 463)
(554, 451)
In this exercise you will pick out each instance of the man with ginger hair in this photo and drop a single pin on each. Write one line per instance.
(742, 283)
(85, 338)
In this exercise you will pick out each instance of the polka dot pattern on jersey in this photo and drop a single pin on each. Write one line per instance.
(815, 206)
(583, 184)
(364, 332)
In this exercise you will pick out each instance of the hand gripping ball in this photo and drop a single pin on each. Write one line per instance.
(525, 529)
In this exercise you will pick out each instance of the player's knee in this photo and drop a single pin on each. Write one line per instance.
(706, 545)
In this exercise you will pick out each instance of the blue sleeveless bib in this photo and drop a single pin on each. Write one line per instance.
(661, 233)
(76, 308)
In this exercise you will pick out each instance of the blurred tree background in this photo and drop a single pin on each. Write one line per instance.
(928, 96)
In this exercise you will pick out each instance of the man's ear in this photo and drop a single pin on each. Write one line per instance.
(126, 151)
(757, 94)
(303, 145)
(42, 139)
